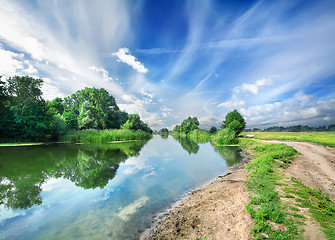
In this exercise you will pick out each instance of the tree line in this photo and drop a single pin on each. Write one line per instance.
(231, 128)
(297, 128)
(26, 116)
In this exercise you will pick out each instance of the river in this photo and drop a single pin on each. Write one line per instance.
(106, 191)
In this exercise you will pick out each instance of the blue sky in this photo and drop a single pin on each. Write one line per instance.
(273, 61)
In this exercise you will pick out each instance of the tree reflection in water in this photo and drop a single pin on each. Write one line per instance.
(22, 172)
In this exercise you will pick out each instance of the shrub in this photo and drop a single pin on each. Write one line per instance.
(225, 136)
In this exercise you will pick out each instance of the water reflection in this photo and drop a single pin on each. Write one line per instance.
(230, 154)
(79, 199)
(88, 166)
(187, 144)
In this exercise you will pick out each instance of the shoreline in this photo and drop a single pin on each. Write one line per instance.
(192, 215)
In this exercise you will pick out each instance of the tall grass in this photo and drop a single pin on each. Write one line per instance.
(199, 135)
(322, 138)
(104, 136)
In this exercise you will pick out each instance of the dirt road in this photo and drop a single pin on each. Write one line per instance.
(315, 166)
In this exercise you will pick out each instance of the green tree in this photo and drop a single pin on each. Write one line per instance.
(135, 123)
(234, 121)
(213, 130)
(164, 131)
(189, 124)
(87, 116)
(28, 113)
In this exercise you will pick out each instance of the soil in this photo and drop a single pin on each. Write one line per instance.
(217, 211)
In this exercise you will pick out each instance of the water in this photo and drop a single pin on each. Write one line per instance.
(109, 191)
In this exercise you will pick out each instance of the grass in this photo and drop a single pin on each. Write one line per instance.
(268, 187)
(319, 204)
(265, 205)
(104, 136)
(322, 138)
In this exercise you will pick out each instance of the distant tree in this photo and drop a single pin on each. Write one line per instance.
(164, 131)
(234, 121)
(331, 128)
(213, 130)
(189, 124)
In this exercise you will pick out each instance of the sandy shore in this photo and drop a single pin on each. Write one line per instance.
(216, 211)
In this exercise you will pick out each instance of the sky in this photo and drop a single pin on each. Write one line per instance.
(273, 61)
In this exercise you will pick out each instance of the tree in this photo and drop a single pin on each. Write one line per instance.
(234, 121)
(189, 124)
(28, 113)
(213, 130)
(164, 131)
(135, 123)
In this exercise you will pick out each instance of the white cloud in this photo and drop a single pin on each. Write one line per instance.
(292, 111)
(232, 104)
(104, 73)
(124, 56)
(254, 87)
(10, 63)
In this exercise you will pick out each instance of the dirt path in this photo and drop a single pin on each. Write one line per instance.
(216, 212)
(315, 166)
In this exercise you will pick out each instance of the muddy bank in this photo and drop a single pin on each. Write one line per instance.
(216, 211)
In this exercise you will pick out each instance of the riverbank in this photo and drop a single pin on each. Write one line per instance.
(215, 211)
(279, 189)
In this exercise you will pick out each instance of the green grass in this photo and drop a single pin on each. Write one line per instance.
(322, 138)
(265, 178)
(319, 204)
(265, 205)
(104, 136)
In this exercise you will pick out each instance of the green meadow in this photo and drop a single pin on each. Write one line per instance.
(322, 138)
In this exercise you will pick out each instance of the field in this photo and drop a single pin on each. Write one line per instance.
(322, 138)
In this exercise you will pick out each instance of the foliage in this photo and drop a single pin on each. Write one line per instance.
(322, 138)
(164, 131)
(296, 128)
(26, 117)
(234, 121)
(199, 135)
(213, 130)
(225, 136)
(135, 123)
(187, 126)
(104, 136)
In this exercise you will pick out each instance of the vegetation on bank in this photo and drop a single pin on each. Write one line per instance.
(104, 136)
(322, 138)
(26, 117)
(273, 217)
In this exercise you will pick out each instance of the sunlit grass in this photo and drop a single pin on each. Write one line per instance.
(322, 138)
(104, 136)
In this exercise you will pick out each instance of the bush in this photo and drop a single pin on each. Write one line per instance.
(225, 136)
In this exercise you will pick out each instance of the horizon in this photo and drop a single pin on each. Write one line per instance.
(167, 60)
